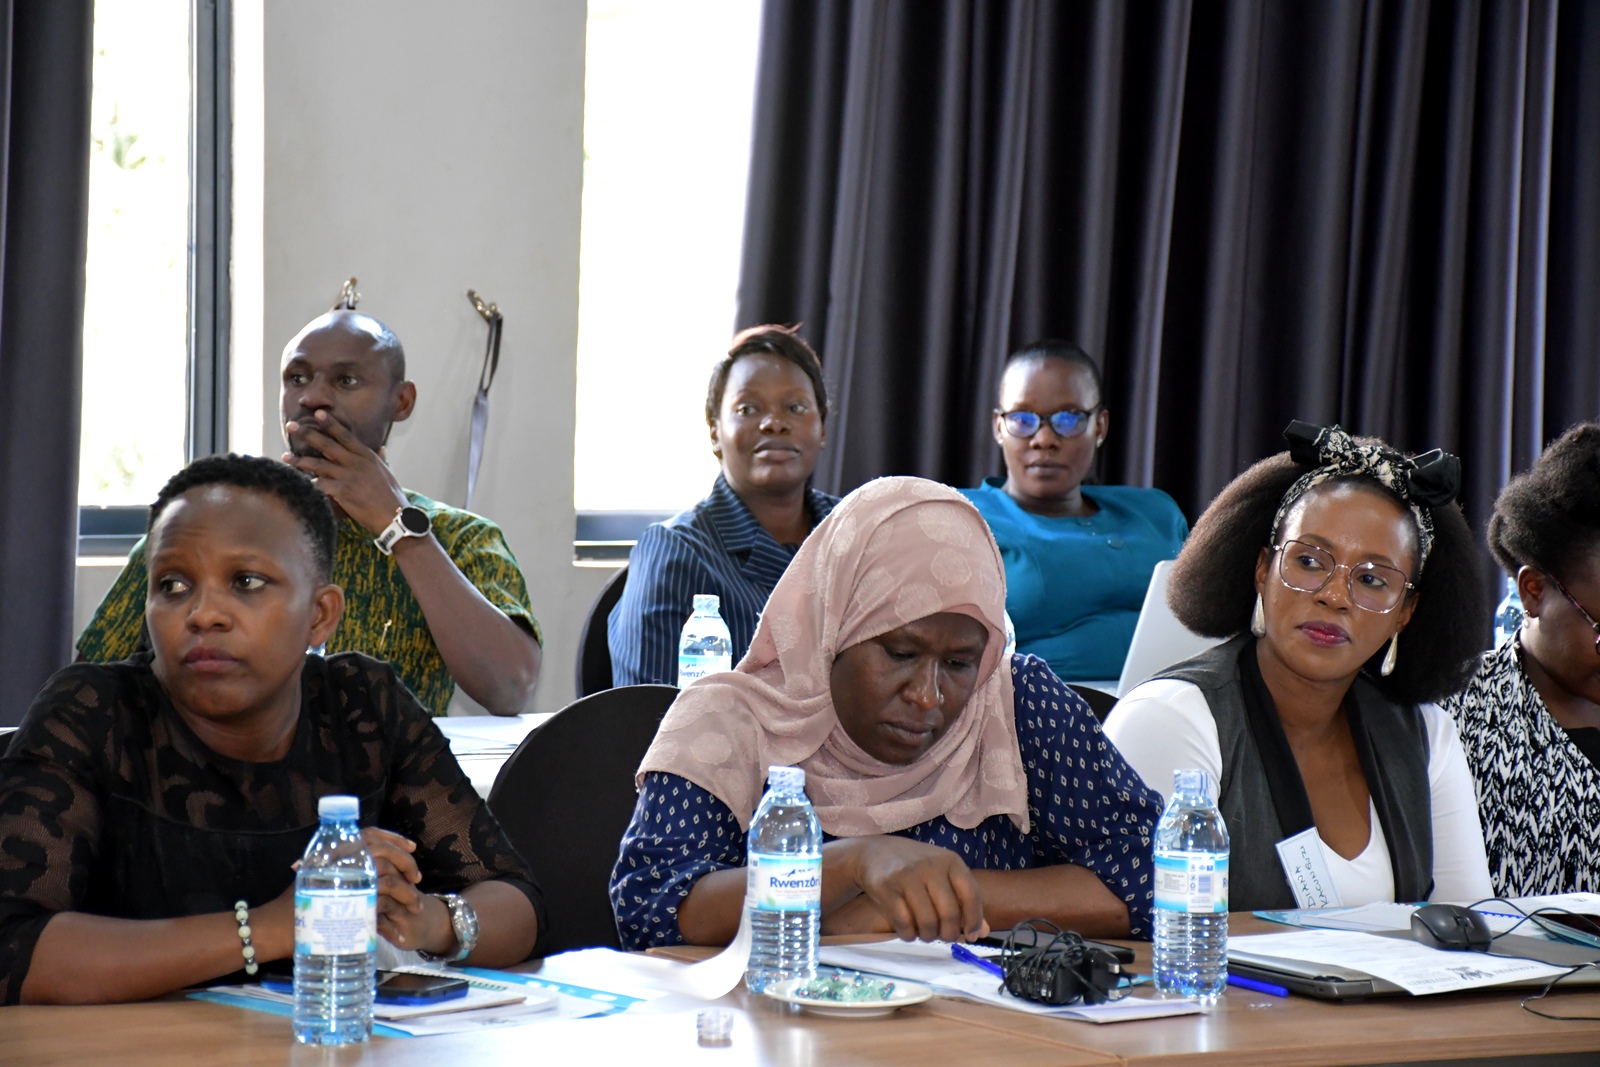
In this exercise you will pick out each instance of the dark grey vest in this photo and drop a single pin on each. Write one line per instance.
(1401, 793)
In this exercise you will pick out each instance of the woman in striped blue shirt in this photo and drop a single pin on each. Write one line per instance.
(767, 409)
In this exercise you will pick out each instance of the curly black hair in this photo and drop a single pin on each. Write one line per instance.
(784, 342)
(1548, 516)
(297, 492)
(1212, 589)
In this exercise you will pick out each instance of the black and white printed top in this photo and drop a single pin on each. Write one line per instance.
(1538, 784)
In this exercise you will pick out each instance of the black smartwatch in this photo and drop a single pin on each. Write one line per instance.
(409, 521)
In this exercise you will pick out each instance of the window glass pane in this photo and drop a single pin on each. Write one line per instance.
(135, 323)
(666, 130)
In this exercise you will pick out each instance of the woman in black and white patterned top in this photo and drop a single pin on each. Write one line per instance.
(1530, 718)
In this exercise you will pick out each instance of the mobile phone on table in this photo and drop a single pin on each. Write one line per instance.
(394, 987)
(403, 987)
(1585, 929)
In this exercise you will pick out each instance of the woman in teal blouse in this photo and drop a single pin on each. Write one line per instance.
(1078, 557)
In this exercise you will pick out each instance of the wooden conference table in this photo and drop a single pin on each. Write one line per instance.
(1246, 1029)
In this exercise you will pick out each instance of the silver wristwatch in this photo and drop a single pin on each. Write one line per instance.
(409, 521)
(464, 921)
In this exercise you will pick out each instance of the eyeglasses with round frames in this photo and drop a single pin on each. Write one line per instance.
(1066, 422)
(1308, 568)
(1586, 616)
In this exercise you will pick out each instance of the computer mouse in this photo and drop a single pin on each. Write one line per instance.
(1450, 926)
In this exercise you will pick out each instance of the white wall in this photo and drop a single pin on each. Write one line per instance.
(427, 148)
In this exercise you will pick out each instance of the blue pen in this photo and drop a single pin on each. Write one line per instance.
(966, 955)
(1259, 987)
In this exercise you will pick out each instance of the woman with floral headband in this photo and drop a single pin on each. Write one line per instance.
(1343, 576)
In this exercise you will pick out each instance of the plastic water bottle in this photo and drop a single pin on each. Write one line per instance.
(1508, 616)
(335, 930)
(705, 647)
(1191, 898)
(784, 888)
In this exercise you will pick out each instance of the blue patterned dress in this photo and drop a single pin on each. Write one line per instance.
(1086, 807)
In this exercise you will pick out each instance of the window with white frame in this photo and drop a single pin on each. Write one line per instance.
(668, 95)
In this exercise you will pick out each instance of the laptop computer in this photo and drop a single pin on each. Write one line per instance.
(1342, 983)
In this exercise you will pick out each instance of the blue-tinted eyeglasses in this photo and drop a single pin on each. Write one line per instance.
(1066, 423)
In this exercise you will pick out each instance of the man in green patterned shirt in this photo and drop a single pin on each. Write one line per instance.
(431, 588)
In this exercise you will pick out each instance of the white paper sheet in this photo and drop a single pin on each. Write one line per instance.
(931, 963)
(1412, 966)
(647, 977)
(507, 730)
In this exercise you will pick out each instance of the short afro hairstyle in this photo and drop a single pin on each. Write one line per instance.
(784, 342)
(1548, 517)
(1212, 589)
(298, 493)
(1067, 352)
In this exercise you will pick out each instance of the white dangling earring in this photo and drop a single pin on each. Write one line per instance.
(1392, 657)
(1258, 619)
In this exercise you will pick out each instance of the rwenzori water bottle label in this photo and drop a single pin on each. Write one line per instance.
(784, 883)
(692, 667)
(332, 922)
(1195, 883)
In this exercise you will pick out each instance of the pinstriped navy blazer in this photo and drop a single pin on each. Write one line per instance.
(717, 547)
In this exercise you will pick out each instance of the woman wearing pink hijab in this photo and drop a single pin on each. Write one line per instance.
(959, 790)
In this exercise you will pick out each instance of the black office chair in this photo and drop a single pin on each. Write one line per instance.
(594, 650)
(565, 797)
(1100, 702)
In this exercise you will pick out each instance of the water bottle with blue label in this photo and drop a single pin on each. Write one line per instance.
(706, 646)
(783, 891)
(1191, 892)
(1508, 616)
(335, 930)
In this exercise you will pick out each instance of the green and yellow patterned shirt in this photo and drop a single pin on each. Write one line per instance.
(381, 616)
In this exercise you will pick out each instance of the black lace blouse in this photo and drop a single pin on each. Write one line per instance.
(109, 803)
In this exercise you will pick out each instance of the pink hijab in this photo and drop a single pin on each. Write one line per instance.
(894, 551)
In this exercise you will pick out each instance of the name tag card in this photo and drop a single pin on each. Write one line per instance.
(1306, 868)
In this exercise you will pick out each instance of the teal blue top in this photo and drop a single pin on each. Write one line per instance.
(1074, 585)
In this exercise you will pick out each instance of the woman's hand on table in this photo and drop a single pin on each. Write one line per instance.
(407, 917)
(922, 891)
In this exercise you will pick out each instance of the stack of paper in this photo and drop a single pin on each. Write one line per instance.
(931, 963)
(490, 1003)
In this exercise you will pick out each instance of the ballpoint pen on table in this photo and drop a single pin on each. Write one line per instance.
(966, 955)
(1259, 987)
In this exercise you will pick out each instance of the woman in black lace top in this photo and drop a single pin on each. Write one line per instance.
(141, 799)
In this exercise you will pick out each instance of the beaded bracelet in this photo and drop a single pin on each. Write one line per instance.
(241, 912)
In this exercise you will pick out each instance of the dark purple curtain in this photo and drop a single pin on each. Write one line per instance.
(45, 79)
(1385, 214)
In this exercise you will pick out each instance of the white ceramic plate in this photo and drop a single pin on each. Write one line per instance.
(904, 993)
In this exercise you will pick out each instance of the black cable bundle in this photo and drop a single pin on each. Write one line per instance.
(1049, 965)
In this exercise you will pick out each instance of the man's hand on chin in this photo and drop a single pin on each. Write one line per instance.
(353, 476)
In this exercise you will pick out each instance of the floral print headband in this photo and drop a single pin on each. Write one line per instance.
(1422, 482)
